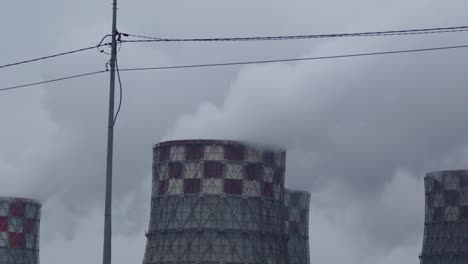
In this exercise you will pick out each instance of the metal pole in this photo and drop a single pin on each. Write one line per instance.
(110, 144)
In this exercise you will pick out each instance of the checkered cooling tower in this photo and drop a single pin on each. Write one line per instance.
(446, 218)
(19, 231)
(216, 202)
(296, 217)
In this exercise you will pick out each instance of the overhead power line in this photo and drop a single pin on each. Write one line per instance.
(242, 63)
(292, 59)
(292, 37)
(120, 91)
(257, 38)
(51, 81)
(52, 56)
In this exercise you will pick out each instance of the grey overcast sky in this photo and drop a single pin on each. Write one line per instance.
(360, 132)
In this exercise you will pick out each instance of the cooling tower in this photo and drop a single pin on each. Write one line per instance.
(19, 231)
(446, 218)
(216, 202)
(296, 215)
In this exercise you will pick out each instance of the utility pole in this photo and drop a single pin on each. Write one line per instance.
(110, 144)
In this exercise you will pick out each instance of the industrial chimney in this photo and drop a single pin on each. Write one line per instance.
(219, 201)
(446, 218)
(19, 230)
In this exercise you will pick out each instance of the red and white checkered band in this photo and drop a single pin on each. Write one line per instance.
(446, 196)
(296, 212)
(446, 215)
(217, 167)
(19, 224)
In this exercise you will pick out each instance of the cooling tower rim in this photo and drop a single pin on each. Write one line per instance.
(297, 191)
(270, 147)
(440, 173)
(27, 200)
(211, 195)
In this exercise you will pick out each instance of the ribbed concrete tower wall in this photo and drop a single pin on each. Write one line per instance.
(446, 218)
(19, 230)
(216, 202)
(296, 215)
